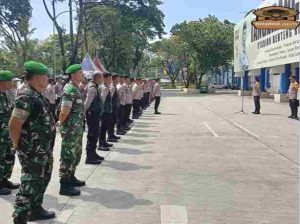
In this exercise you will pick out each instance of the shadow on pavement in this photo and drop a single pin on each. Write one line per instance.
(144, 130)
(52, 202)
(124, 166)
(132, 151)
(136, 142)
(144, 125)
(113, 199)
(141, 135)
(10, 198)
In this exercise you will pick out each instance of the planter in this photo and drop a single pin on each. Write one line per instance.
(190, 91)
(279, 98)
(246, 93)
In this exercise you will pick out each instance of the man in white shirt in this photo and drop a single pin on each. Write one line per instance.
(129, 100)
(157, 95)
(136, 99)
(50, 95)
(121, 111)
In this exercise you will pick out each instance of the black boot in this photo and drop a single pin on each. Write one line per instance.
(10, 185)
(112, 139)
(96, 156)
(105, 144)
(126, 128)
(67, 189)
(20, 219)
(92, 161)
(116, 137)
(40, 213)
(120, 132)
(102, 148)
(3, 189)
(75, 182)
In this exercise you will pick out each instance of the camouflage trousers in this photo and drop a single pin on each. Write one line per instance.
(35, 176)
(71, 151)
(7, 158)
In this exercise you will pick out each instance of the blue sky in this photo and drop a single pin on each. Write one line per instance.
(175, 11)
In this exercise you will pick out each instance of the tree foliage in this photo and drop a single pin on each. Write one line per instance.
(197, 47)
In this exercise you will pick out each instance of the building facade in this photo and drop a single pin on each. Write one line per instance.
(272, 55)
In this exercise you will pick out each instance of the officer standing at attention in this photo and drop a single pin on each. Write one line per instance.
(107, 111)
(129, 101)
(256, 95)
(93, 108)
(293, 91)
(32, 130)
(141, 93)
(115, 107)
(157, 95)
(136, 99)
(121, 111)
(71, 127)
(7, 155)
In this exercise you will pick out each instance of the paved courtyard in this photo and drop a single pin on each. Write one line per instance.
(200, 162)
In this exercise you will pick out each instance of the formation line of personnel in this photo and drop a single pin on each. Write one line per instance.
(29, 128)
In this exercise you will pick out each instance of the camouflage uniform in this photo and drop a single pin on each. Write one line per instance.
(71, 131)
(35, 150)
(7, 155)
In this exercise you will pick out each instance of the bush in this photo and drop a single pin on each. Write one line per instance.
(167, 86)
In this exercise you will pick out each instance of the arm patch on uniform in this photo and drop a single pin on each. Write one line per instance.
(20, 114)
(66, 103)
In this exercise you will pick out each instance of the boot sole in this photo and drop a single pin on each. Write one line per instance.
(66, 194)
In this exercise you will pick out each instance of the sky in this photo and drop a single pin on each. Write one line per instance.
(175, 11)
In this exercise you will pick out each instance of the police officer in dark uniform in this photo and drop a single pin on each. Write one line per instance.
(115, 107)
(107, 112)
(93, 108)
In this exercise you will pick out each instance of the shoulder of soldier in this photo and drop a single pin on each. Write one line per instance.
(25, 91)
(70, 89)
(91, 85)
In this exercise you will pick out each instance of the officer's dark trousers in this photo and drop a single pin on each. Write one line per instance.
(257, 103)
(136, 108)
(141, 105)
(157, 102)
(121, 117)
(93, 122)
(294, 107)
(105, 124)
(147, 99)
(113, 121)
(127, 112)
(144, 102)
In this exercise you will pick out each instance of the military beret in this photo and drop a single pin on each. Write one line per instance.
(107, 74)
(73, 69)
(6, 76)
(127, 76)
(36, 68)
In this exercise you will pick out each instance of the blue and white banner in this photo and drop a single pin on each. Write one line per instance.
(255, 49)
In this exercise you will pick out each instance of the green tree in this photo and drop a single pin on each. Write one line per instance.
(211, 43)
(15, 28)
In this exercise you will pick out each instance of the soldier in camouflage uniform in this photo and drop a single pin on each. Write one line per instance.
(7, 155)
(71, 121)
(32, 130)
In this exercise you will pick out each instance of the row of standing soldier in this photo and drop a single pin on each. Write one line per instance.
(31, 126)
